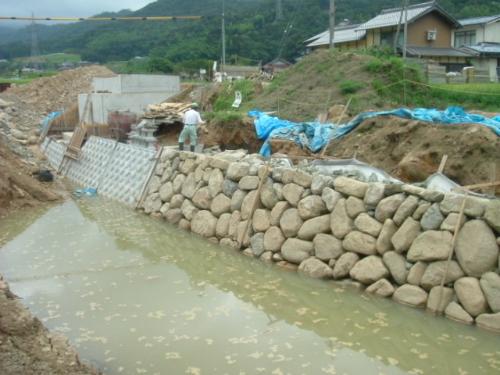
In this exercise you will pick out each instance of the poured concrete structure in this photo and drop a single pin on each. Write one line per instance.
(126, 93)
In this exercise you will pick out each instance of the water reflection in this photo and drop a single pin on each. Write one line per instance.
(137, 296)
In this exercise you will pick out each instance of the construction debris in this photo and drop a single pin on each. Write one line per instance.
(168, 112)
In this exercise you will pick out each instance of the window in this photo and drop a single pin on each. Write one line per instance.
(387, 38)
(465, 38)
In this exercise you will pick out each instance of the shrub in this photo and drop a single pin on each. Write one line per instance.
(350, 87)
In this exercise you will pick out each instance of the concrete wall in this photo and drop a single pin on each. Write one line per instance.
(103, 104)
(126, 93)
(392, 239)
(492, 33)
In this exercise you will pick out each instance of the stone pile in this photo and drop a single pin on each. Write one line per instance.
(393, 239)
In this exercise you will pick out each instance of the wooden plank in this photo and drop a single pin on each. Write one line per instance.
(442, 165)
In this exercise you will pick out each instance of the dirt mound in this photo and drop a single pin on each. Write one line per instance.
(412, 150)
(231, 134)
(17, 187)
(26, 347)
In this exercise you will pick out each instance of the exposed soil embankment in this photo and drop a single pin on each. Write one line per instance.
(232, 134)
(18, 188)
(412, 150)
(27, 348)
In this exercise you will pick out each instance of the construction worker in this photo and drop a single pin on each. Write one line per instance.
(191, 120)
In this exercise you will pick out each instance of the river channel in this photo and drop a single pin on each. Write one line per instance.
(137, 296)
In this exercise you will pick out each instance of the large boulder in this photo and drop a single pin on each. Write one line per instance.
(366, 224)
(406, 209)
(189, 186)
(188, 209)
(341, 223)
(202, 198)
(291, 222)
(237, 171)
(405, 235)
(311, 206)
(315, 268)
(237, 200)
(349, 186)
(327, 247)
(416, 273)
(152, 203)
(451, 222)
(344, 264)
(204, 224)
(396, 264)
(302, 178)
(490, 322)
(330, 198)
(360, 243)
(319, 182)
(433, 218)
(490, 284)
(439, 299)
(477, 248)
(166, 192)
(229, 187)
(261, 220)
(471, 296)
(269, 196)
(292, 193)
(387, 207)
(435, 271)
(176, 201)
(382, 288)
(249, 183)
(312, 227)
(222, 228)
(456, 312)
(431, 245)
(274, 239)
(154, 185)
(257, 244)
(178, 183)
(215, 182)
(410, 295)
(354, 207)
(220, 205)
(368, 270)
(452, 202)
(492, 214)
(384, 242)
(250, 202)
(278, 211)
(296, 251)
(374, 194)
(173, 216)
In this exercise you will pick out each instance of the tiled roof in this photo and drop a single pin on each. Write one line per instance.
(342, 35)
(479, 20)
(391, 17)
(435, 52)
(486, 48)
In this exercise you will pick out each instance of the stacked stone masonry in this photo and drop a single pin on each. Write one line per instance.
(394, 240)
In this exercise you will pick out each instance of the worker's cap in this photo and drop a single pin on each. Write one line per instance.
(194, 105)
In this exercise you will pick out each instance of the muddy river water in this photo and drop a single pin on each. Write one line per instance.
(136, 296)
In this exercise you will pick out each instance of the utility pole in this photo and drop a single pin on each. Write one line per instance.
(398, 31)
(405, 42)
(223, 67)
(35, 51)
(332, 24)
(279, 10)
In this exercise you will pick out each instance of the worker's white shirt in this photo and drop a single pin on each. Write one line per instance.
(192, 117)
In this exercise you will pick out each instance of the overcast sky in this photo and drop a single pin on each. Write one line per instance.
(52, 8)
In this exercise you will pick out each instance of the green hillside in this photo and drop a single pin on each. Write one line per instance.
(252, 29)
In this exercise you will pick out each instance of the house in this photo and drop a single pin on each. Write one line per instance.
(430, 30)
(481, 35)
(275, 66)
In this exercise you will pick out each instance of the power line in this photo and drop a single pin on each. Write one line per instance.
(155, 18)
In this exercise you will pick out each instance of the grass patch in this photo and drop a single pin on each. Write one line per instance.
(225, 117)
(226, 98)
(26, 78)
(350, 87)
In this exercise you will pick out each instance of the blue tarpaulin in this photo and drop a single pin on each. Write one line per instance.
(315, 136)
(47, 120)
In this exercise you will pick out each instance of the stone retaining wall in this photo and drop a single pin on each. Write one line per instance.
(393, 239)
